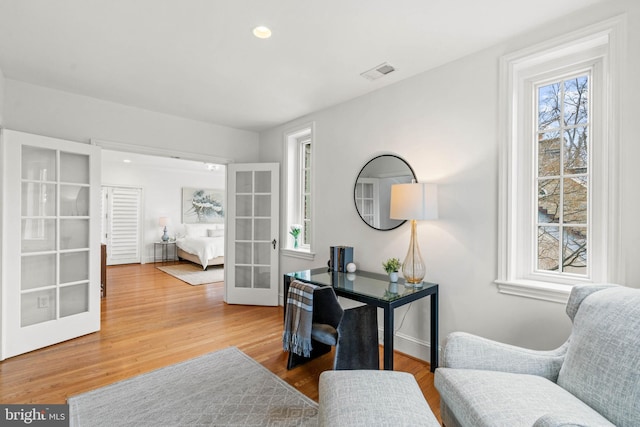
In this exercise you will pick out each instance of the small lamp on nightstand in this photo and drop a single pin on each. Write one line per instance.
(163, 222)
(415, 201)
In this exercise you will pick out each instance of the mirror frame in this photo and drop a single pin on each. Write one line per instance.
(355, 204)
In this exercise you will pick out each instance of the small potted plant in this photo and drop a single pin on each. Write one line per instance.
(391, 266)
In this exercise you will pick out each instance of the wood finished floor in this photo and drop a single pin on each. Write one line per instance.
(151, 320)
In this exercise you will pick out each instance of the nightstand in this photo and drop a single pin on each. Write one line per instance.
(168, 251)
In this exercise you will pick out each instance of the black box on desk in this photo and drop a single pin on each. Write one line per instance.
(339, 257)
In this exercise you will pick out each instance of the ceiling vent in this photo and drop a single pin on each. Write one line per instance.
(378, 71)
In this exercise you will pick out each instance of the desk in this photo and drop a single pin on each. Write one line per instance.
(164, 251)
(374, 289)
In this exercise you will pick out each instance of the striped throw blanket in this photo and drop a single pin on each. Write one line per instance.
(298, 320)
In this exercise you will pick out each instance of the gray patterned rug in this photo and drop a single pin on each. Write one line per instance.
(224, 388)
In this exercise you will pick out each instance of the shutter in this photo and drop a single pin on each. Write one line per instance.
(123, 238)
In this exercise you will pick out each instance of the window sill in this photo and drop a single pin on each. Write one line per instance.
(298, 253)
(545, 291)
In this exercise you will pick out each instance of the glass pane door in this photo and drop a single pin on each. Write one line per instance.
(53, 294)
(252, 255)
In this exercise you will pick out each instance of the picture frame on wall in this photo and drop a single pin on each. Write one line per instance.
(202, 205)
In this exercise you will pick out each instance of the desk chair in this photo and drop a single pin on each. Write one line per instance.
(353, 331)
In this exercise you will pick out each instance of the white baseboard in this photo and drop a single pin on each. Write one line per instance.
(409, 345)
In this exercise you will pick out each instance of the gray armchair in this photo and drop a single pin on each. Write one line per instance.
(591, 380)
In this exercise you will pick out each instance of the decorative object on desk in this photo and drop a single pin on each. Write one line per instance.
(339, 257)
(351, 268)
(415, 202)
(392, 266)
(202, 205)
(163, 222)
(295, 230)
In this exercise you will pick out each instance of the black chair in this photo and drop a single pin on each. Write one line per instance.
(353, 331)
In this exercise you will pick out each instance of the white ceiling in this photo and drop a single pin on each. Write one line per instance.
(198, 58)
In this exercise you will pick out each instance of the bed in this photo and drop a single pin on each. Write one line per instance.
(202, 244)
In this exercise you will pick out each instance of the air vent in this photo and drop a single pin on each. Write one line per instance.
(378, 71)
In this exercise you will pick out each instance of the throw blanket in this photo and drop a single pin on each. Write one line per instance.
(298, 319)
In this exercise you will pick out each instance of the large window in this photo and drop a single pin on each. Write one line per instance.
(562, 176)
(304, 145)
(299, 192)
(559, 202)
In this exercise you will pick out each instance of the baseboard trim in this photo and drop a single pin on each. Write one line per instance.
(410, 346)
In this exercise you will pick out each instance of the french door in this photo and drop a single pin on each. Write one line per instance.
(51, 243)
(251, 255)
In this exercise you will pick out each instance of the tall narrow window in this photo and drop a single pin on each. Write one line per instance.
(305, 173)
(299, 189)
(563, 147)
(559, 187)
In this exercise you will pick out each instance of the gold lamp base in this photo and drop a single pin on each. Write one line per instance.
(413, 268)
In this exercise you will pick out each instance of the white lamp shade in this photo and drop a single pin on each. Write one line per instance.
(163, 221)
(417, 201)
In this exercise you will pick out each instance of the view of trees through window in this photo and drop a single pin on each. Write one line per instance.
(306, 191)
(563, 175)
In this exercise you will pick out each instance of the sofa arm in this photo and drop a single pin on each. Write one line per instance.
(466, 351)
(568, 420)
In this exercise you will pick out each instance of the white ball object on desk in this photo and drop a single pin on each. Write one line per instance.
(351, 267)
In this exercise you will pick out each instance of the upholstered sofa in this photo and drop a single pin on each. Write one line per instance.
(591, 380)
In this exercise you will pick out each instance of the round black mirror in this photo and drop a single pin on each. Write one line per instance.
(372, 191)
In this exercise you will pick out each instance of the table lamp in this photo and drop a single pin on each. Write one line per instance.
(163, 222)
(414, 202)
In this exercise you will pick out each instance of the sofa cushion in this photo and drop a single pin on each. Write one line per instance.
(602, 364)
(485, 398)
(372, 398)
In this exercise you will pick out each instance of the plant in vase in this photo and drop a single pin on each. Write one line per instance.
(392, 266)
(295, 230)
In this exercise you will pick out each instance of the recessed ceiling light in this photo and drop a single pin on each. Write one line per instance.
(127, 161)
(262, 32)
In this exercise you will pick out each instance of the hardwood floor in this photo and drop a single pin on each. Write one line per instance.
(151, 320)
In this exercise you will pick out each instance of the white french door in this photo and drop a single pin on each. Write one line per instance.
(251, 255)
(51, 242)
(122, 224)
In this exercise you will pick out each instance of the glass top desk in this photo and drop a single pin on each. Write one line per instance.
(374, 289)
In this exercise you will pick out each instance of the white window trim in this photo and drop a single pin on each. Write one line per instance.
(291, 159)
(515, 69)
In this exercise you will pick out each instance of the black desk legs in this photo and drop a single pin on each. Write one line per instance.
(434, 331)
(388, 339)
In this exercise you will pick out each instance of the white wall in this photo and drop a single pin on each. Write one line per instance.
(2, 84)
(49, 112)
(445, 124)
(162, 193)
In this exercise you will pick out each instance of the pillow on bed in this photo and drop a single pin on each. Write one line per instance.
(215, 233)
(196, 230)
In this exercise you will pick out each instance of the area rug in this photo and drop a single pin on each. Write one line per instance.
(224, 388)
(194, 274)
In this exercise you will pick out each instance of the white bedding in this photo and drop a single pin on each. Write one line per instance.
(204, 248)
(205, 241)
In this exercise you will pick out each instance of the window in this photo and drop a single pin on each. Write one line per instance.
(299, 191)
(562, 176)
(559, 202)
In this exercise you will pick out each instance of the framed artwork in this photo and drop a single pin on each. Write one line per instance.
(202, 205)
